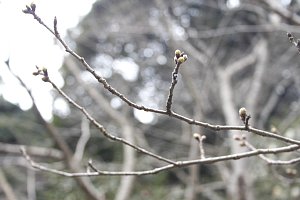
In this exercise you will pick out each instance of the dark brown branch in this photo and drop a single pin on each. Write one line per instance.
(171, 90)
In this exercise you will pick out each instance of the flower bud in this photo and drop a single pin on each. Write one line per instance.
(45, 79)
(177, 53)
(180, 60)
(185, 57)
(33, 6)
(197, 136)
(242, 143)
(243, 113)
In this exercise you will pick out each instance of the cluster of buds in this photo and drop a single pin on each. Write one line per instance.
(30, 9)
(42, 71)
(295, 42)
(241, 139)
(199, 137)
(179, 57)
(291, 172)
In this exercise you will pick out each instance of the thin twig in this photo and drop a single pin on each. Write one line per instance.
(85, 185)
(82, 141)
(141, 107)
(200, 139)
(99, 78)
(7, 189)
(163, 168)
(179, 58)
(171, 90)
(103, 130)
(31, 184)
(33, 150)
(271, 161)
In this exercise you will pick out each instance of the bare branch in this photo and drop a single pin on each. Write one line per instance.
(84, 138)
(127, 129)
(172, 114)
(100, 127)
(200, 139)
(230, 115)
(282, 11)
(6, 187)
(179, 58)
(86, 185)
(239, 29)
(163, 168)
(270, 161)
(33, 150)
(31, 184)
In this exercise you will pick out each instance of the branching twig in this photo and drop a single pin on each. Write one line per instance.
(179, 58)
(271, 161)
(141, 107)
(99, 78)
(46, 78)
(200, 139)
(163, 168)
(87, 187)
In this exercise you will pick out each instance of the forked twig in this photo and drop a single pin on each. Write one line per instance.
(271, 161)
(178, 164)
(46, 78)
(170, 113)
(179, 59)
(200, 139)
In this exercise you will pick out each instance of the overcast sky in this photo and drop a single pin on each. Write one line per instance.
(26, 43)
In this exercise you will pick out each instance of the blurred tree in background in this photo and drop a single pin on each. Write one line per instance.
(239, 56)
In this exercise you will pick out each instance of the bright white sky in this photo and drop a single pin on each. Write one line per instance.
(27, 44)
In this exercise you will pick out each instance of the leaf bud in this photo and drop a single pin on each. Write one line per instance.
(236, 137)
(33, 6)
(242, 143)
(45, 79)
(274, 129)
(177, 53)
(185, 57)
(243, 113)
(197, 136)
(180, 60)
(45, 71)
